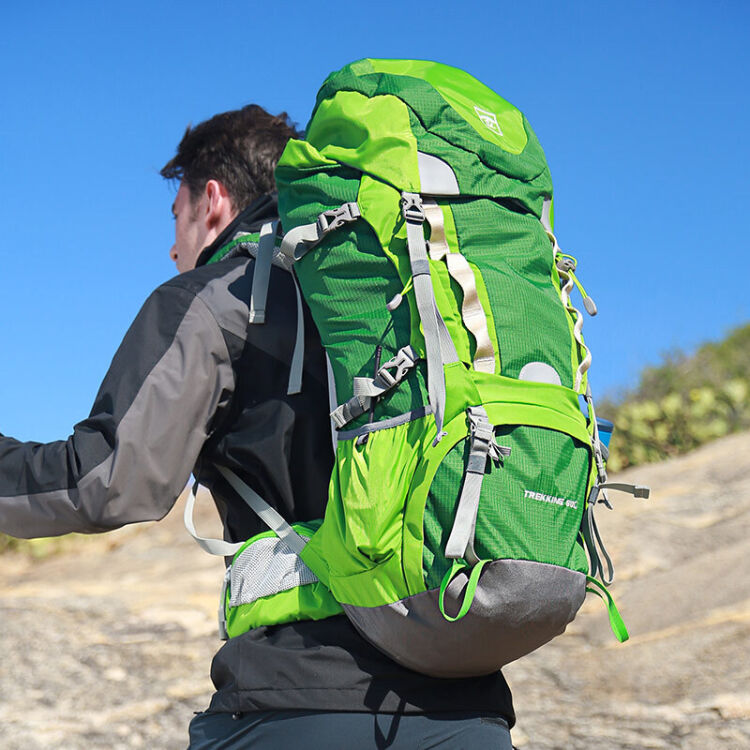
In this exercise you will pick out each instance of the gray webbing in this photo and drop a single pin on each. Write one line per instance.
(332, 402)
(448, 351)
(593, 540)
(425, 298)
(212, 546)
(481, 446)
(265, 512)
(366, 389)
(298, 358)
(262, 272)
(472, 312)
(300, 240)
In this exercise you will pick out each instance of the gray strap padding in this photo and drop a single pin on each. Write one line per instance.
(482, 445)
(262, 272)
(212, 546)
(271, 517)
(366, 389)
(425, 298)
(298, 358)
(546, 218)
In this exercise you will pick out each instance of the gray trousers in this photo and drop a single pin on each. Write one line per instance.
(317, 730)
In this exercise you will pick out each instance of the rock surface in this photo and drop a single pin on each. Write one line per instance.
(108, 643)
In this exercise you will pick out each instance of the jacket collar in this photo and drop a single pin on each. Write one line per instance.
(249, 221)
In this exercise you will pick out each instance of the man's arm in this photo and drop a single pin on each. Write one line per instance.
(133, 455)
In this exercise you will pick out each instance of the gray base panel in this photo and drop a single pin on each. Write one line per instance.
(518, 606)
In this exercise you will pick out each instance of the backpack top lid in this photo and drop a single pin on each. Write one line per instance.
(375, 115)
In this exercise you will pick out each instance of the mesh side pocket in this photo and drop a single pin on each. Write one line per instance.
(265, 567)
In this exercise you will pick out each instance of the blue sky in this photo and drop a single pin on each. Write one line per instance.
(642, 108)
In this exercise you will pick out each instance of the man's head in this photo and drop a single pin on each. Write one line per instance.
(223, 165)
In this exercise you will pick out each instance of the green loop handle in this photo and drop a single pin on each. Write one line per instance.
(615, 618)
(471, 586)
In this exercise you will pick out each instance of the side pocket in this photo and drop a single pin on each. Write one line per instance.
(268, 584)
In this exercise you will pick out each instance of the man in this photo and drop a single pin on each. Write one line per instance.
(195, 385)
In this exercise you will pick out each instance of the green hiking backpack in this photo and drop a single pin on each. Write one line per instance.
(418, 215)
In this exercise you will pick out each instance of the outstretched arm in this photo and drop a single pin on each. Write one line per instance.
(131, 458)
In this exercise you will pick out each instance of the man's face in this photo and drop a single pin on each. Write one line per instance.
(190, 231)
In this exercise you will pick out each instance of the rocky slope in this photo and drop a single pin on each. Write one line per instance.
(108, 643)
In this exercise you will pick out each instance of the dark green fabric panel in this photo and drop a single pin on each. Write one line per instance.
(514, 256)
(347, 281)
(509, 523)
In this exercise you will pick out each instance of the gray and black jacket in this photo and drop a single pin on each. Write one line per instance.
(193, 385)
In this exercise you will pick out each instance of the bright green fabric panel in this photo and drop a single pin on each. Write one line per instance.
(482, 167)
(364, 531)
(312, 601)
(465, 94)
(530, 506)
(372, 135)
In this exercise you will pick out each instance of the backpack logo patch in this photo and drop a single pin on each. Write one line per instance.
(489, 120)
(542, 498)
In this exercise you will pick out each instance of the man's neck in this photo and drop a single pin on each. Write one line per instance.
(247, 221)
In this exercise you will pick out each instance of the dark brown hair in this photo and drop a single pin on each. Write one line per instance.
(238, 148)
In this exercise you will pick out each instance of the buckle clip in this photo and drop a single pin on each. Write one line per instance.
(403, 361)
(328, 221)
(411, 208)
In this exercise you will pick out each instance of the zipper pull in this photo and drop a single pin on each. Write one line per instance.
(399, 298)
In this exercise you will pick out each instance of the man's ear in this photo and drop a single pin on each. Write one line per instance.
(219, 210)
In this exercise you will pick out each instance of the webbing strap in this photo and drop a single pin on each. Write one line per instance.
(482, 445)
(298, 357)
(212, 546)
(471, 587)
(300, 240)
(271, 517)
(472, 312)
(615, 618)
(332, 401)
(366, 389)
(425, 298)
(593, 540)
(262, 272)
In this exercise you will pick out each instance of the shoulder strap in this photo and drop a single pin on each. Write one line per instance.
(271, 517)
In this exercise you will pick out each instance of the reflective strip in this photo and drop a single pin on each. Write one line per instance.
(298, 357)
(271, 517)
(262, 272)
(472, 312)
(212, 546)
(425, 298)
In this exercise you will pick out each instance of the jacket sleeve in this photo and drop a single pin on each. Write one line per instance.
(169, 380)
